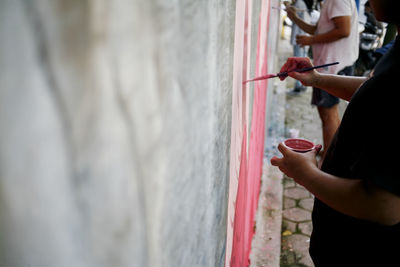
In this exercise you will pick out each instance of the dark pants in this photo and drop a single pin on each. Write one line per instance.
(321, 98)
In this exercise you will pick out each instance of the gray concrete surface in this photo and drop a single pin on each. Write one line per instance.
(266, 245)
(115, 129)
(115, 124)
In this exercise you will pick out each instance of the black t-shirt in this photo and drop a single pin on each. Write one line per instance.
(366, 146)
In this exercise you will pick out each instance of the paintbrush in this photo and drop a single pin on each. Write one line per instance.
(286, 73)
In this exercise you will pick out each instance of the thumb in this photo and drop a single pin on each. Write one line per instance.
(284, 149)
(317, 149)
(296, 75)
(303, 77)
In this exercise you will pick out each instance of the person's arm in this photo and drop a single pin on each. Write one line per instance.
(341, 30)
(338, 85)
(341, 86)
(352, 197)
(307, 27)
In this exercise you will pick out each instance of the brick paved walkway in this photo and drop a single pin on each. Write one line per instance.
(297, 201)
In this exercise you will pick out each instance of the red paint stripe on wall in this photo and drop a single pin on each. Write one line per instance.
(238, 158)
(246, 170)
(256, 147)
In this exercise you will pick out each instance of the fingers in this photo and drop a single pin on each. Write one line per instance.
(285, 66)
(295, 75)
(291, 11)
(302, 77)
(284, 149)
(306, 78)
(304, 62)
(275, 161)
(317, 149)
(302, 39)
(299, 39)
(293, 63)
(290, 65)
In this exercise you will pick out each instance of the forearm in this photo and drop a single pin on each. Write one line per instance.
(338, 85)
(342, 29)
(328, 37)
(353, 197)
(308, 28)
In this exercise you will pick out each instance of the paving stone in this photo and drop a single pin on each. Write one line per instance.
(306, 260)
(305, 228)
(300, 244)
(288, 183)
(296, 193)
(307, 203)
(289, 258)
(288, 225)
(288, 203)
(297, 215)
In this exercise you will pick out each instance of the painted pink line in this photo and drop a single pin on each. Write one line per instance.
(238, 159)
(256, 146)
(251, 166)
(237, 258)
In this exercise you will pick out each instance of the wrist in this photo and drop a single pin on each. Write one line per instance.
(316, 82)
(310, 176)
(312, 39)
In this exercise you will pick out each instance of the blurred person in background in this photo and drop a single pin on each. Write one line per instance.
(334, 38)
(303, 9)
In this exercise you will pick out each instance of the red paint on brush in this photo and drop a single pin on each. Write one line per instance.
(262, 78)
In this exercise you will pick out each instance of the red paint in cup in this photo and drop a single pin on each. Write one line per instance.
(299, 145)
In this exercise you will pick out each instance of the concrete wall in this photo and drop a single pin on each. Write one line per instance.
(114, 132)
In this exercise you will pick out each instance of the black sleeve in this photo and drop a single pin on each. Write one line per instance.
(379, 160)
(380, 167)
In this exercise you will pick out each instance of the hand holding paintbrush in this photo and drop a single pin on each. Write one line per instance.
(305, 66)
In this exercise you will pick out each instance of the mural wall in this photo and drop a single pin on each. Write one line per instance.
(116, 126)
